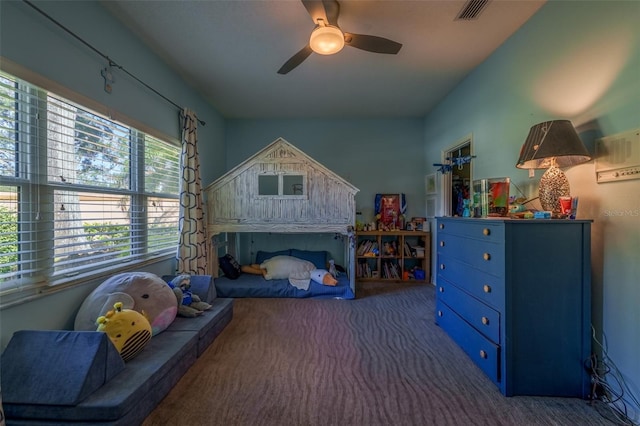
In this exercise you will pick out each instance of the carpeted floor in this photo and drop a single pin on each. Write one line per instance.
(376, 360)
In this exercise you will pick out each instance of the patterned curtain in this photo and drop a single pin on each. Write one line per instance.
(192, 249)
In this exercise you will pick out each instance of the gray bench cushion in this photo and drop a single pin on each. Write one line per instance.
(130, 396)
(56, 367)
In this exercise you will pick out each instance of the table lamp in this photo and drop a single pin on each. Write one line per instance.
(551, 145)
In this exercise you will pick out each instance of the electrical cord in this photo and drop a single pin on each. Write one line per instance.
(609, 387)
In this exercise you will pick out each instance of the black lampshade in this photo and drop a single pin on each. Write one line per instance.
(552, 140)
(551, 145)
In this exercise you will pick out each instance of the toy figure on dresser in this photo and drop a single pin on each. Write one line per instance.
(466, 207)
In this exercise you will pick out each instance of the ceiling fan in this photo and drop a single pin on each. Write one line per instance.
(327, 38)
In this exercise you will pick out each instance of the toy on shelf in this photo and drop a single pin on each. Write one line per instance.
(390, 210)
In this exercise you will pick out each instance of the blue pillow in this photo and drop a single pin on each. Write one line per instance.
(318, 258)
(261, 256)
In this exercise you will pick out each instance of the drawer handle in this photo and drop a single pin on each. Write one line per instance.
(486, 231)
(442, 226)
(487, 288)
(441, 243)
(485, 320)
(439, 313)
(441, 289)
(486, 256)
(483, 354)
(442, 266)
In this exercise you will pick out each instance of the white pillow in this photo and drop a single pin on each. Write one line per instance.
(280, 267)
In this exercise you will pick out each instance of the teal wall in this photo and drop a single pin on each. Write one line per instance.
(576, 60)
(33, 42)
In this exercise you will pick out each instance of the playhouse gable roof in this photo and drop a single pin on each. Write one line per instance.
(280, 151)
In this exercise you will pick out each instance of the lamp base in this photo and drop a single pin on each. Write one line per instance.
(553, 184)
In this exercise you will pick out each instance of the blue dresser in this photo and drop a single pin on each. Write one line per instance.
(515, 295)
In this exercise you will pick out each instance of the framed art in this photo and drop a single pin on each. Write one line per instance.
(390, 210)
(431, 206)
(431, 183)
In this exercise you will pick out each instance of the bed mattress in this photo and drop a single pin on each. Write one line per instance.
(247, 285)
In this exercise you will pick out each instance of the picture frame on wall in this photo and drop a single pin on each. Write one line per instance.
(431, 184)
(430, 206)
(390, 210)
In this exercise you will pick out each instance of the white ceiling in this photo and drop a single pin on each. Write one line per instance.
(230, 51)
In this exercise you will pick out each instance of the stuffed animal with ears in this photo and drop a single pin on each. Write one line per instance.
(189, 305)
(141, 291)
(128, 330)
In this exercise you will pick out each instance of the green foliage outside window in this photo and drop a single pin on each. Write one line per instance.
(8, 240)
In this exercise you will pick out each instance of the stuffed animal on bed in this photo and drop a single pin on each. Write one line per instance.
(189, 305)
(322, 276)
(141, 291)
(299, 272)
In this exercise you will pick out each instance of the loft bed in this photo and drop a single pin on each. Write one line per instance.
(280, 189)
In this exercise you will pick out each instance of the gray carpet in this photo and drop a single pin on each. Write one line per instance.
(376, 360)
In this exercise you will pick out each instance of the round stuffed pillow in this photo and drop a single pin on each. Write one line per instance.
(141, 291)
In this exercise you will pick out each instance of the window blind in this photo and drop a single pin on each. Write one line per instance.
(78, 192)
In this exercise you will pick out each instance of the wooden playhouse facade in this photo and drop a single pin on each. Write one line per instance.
(281, 189)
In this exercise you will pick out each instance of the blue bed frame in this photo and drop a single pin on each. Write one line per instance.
(247, 285)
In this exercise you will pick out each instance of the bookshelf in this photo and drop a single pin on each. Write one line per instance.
(393, 255)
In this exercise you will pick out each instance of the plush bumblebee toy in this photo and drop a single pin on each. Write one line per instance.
(128, 330)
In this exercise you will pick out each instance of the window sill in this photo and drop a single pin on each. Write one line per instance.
(26, 294)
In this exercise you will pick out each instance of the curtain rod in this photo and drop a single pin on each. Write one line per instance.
(112, 63)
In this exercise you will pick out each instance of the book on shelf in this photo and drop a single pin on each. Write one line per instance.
(363, 270)
(390, 270)
(366, 246)
(408, 251)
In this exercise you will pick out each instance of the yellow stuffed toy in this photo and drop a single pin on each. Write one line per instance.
(128, 330)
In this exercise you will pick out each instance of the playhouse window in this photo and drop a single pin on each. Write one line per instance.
(281, 185)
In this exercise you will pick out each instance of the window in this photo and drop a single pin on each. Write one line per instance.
(278, 185)
(78, 192)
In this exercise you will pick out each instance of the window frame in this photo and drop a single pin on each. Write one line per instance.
(281, 185)
(19, 289)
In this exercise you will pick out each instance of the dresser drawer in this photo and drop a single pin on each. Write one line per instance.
(487, 257)
(486, 287)
(482, 317)
(484, 353)
(473, 228)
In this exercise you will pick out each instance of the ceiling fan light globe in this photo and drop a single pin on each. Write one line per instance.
(326, 40)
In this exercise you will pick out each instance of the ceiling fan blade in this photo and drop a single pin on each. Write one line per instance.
(372, 43)
(296, 60)
(316, 10)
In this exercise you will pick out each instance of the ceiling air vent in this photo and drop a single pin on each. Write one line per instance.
(472, 10)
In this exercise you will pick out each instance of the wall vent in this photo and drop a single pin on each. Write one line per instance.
(618, 157)
(472, 10)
